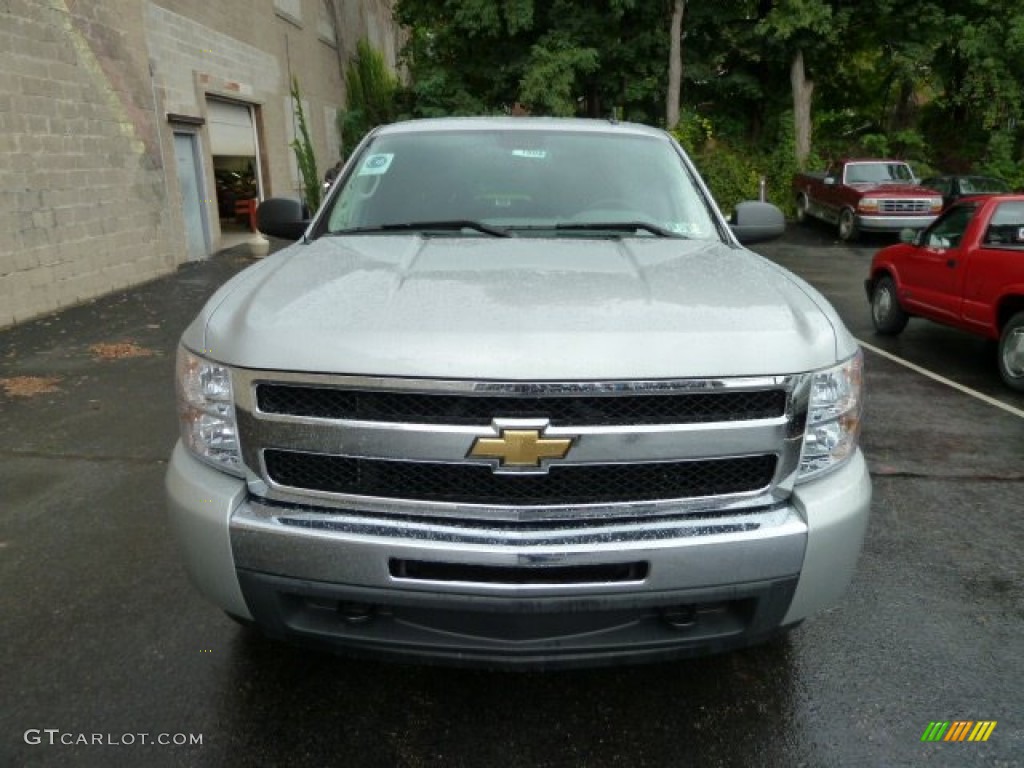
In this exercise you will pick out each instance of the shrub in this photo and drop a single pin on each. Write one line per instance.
(733, 169)
(693, 131)
(373, 95)
(304, 154)
(732, 175)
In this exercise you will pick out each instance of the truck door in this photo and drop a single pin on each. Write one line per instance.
(996, 264)
(933, 272)
(828, 193)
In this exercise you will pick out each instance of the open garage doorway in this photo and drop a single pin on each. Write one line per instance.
(235, 149)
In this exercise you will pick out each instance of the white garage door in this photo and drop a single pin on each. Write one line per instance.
(231, 129)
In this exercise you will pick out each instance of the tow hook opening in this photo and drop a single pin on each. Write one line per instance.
(680, 616)
(355, 613)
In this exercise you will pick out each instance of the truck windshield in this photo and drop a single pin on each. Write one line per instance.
(531, 182)
(878, 173)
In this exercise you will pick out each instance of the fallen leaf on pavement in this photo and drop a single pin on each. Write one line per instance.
(29, 386)
(119, 351)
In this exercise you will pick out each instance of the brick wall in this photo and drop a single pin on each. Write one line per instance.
(180, 47)
(248, 51)
(83, 202)
(89, 198)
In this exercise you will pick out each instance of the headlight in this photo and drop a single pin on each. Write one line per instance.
(936, 204)
(868, 204)
(833, 417)
(206, 412)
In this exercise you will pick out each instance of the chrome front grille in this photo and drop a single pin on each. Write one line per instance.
(402, 447)
(905, 206)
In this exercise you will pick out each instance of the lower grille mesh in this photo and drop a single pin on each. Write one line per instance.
(477, 484)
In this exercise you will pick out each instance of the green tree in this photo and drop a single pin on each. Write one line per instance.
(554, 68)
(936, 81)
(559, 57)
(804, 29)
(979, 82)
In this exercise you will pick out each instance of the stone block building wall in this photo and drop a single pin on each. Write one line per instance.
(83, 204)
(92, 96)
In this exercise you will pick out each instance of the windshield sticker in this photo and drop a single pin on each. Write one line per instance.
(690, 229)
(375, 165)
(532, 154)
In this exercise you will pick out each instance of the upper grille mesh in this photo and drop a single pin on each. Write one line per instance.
(618, 409)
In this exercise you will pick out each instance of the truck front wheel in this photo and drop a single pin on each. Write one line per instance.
(1011, 352)
(847, 225)
(887, 315)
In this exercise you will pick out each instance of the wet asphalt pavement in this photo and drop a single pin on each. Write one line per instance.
(102, 635)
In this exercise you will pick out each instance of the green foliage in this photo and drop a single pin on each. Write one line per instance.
(559, 57)
(305, 157)
(932, 81)
(875, 145)
(909, 145)
(733, 169)
(789, 19)
(780, 165)
(372, 96)
(693, 130)
(988, 50)
(730, 173)
(552, 72)
(1002, 160)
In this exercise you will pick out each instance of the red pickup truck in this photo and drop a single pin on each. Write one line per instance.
(866, 195)
(965, 270)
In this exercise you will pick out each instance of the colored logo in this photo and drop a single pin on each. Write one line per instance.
(958, 730)
(520, 448)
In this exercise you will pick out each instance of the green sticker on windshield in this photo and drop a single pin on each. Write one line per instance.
(375, 165)
(532, 154)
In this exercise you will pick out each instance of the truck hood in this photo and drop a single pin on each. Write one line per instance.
(519, 309)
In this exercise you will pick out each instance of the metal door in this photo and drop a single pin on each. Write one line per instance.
(186, 152)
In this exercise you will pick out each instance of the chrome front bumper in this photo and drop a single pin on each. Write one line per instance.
(519, 594)
(893, 223)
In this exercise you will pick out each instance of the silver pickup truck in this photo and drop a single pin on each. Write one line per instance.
(518, 396)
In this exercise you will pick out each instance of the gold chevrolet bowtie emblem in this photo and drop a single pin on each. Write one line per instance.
(520, 448)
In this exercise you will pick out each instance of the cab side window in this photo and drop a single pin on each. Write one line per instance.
(949, 229)
(1007, 225)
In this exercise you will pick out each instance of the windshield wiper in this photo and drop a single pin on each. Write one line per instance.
(619, 226)
(455, 224)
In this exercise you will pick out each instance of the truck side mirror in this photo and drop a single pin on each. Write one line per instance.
(830, 180)
(753, 221)
(282, 217)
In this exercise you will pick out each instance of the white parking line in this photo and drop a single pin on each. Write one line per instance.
(943, 380)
